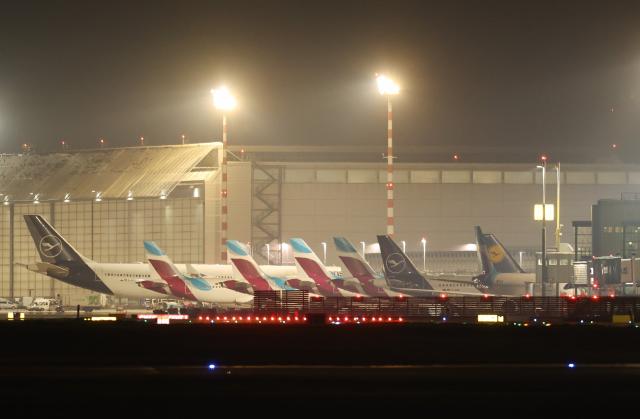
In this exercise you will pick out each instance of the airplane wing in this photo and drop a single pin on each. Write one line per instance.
(46, 268)
(417, 292)
(157, 286)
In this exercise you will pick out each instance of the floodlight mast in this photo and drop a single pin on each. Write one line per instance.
(388, 87)
(224, 101)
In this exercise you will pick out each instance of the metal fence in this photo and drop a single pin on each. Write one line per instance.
(461, 309)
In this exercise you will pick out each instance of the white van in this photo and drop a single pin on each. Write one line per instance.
(44, 304)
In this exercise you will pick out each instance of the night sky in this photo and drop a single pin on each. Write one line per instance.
(497, 73)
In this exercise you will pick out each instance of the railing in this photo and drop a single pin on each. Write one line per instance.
(439, 308)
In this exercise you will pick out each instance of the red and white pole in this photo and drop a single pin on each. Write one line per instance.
(390, 219)
(223, 194)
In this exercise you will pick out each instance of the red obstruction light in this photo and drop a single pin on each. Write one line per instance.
(543, 158)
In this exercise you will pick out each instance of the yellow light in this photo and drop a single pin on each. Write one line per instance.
(548, 209)
(222, 99)
(103, 318)
(490, 318)
(386, 86)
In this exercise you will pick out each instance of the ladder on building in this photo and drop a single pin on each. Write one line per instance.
(266, 216)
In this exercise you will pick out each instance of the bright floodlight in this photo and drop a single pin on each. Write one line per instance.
(222, 99)
(386, 86)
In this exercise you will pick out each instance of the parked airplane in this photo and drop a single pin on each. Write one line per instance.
(501, 274)
(310, 267)
(188, 287)
(366, 278)
(59, 260)
(404, 277)
(245, 268)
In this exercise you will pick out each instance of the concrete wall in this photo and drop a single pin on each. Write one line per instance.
(439, 203)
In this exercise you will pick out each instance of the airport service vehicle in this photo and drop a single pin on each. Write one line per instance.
(59, 260)
(171, 281)
(45, 304)
(404, 277)
(364, 277)
(7, 304)
(311, 269)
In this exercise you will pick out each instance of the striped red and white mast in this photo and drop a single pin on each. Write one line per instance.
(388, 87)
(224, 101)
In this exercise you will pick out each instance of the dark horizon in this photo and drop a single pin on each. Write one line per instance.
(526, 75)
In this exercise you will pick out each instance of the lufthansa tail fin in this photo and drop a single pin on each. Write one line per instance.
(59, 259)
(493, 255)
(52, 247)
(398, 267)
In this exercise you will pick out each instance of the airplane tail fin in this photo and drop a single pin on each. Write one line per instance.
(161, 263)
(493, 255)
(52, 247)
(355, 263)
(178, 282)
(308, 262)
(246, 267)
(398, 266)
(59, 259)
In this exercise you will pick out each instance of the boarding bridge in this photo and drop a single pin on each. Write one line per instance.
(559, 273)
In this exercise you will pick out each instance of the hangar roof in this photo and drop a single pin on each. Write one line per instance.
(146, 171)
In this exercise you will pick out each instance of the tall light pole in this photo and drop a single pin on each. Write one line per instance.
(388, 87)
(558, 206)
(424, 253)
(224, 101)
(543, 276)
(268, 254)
(324, 252)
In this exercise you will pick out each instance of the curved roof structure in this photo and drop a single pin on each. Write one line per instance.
(145, 171)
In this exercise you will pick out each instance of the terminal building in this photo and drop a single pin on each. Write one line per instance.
(107, 201)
